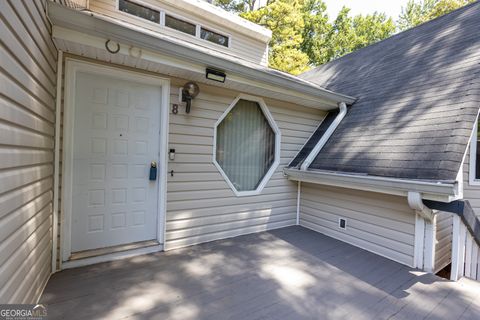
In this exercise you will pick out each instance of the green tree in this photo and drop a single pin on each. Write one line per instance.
(286, 21)
(346, 34)
(419, 11)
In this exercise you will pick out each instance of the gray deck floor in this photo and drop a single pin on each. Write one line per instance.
(290, 273)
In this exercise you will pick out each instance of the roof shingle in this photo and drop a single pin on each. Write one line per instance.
(418, 97)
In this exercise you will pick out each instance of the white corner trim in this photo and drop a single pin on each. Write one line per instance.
(56, 171)
(278, 141)
(313, 154)
(299, 190)
(419, 242)
(430, 242)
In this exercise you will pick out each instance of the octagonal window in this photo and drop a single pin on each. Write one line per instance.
(247, 145)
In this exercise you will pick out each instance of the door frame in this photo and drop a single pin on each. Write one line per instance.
(72, 67)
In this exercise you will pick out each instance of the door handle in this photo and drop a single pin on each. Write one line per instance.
(153, 171)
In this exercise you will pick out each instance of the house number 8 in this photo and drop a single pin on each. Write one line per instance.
(175, 108)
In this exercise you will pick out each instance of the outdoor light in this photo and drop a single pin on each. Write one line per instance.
(189, 91)
(216, 75)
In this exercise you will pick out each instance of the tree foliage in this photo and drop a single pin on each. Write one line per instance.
(303, 35)
(420, 11)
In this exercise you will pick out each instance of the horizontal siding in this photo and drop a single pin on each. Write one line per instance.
(443, 237)
(470, 192)
(241, 46)
(379, 223)
(200, 205)
(27, 104)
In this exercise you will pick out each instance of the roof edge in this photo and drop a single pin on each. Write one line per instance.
(97, 24)
(443, 191)
(231, 20)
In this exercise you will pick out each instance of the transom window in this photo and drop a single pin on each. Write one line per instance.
(214, 37)
(164, 19)
(247, 145)
(180, 25)
(139, 10)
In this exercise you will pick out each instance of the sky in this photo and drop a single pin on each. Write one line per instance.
(390, 7)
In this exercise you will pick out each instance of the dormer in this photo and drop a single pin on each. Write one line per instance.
(194, 21)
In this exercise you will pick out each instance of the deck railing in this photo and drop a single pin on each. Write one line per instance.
(465, 238)
(465, 252)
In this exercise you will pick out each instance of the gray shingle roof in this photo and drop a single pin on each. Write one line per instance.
(418, 96)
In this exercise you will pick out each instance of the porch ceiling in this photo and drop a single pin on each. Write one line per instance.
(290, 273)
(85, 34)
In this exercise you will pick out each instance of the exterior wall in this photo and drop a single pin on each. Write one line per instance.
(200, 205)
(75, 4)
(470, 192)
(242, 46)
(443, 237)
(27, 115)
(382, 224)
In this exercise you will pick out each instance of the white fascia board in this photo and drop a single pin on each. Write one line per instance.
(445, 191)
(209, 11)
(98, 25)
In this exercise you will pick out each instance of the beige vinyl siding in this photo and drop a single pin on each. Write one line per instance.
(200, 205)
(379, 223)
(75, 4)
(241, 46)
(27, 114)
(443, 238)
(470, 192)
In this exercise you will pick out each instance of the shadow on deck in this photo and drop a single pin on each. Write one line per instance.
(290, 273)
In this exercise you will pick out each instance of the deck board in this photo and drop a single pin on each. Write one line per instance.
(289, 273)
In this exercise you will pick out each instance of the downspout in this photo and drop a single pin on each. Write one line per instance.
(416, 203)
(313, 154)
(424, 247)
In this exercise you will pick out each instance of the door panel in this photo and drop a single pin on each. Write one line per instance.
(116, 137)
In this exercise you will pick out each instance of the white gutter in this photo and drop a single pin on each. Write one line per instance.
(444, 191)
(96, 24)
(321, 143)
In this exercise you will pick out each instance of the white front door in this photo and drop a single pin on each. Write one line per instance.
(115, 140)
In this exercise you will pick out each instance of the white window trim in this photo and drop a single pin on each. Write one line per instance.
(162, 25)
(473, 157)
(278, 139)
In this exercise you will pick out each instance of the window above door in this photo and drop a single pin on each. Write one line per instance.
(247, 145)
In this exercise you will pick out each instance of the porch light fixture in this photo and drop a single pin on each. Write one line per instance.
(189, 91)
(215, 75)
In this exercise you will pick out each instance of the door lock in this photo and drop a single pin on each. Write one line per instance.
(153, 171)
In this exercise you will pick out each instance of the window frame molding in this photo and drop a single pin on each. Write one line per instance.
(472, 180)
(271, 121)
(161, 23)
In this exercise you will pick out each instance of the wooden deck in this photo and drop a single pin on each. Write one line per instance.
(290, 273)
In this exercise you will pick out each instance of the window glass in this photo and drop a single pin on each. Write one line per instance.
(214, 37)
(245, 146)
(139, 10)
(180, 25)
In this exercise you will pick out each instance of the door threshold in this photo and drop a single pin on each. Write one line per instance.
(88, 257)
